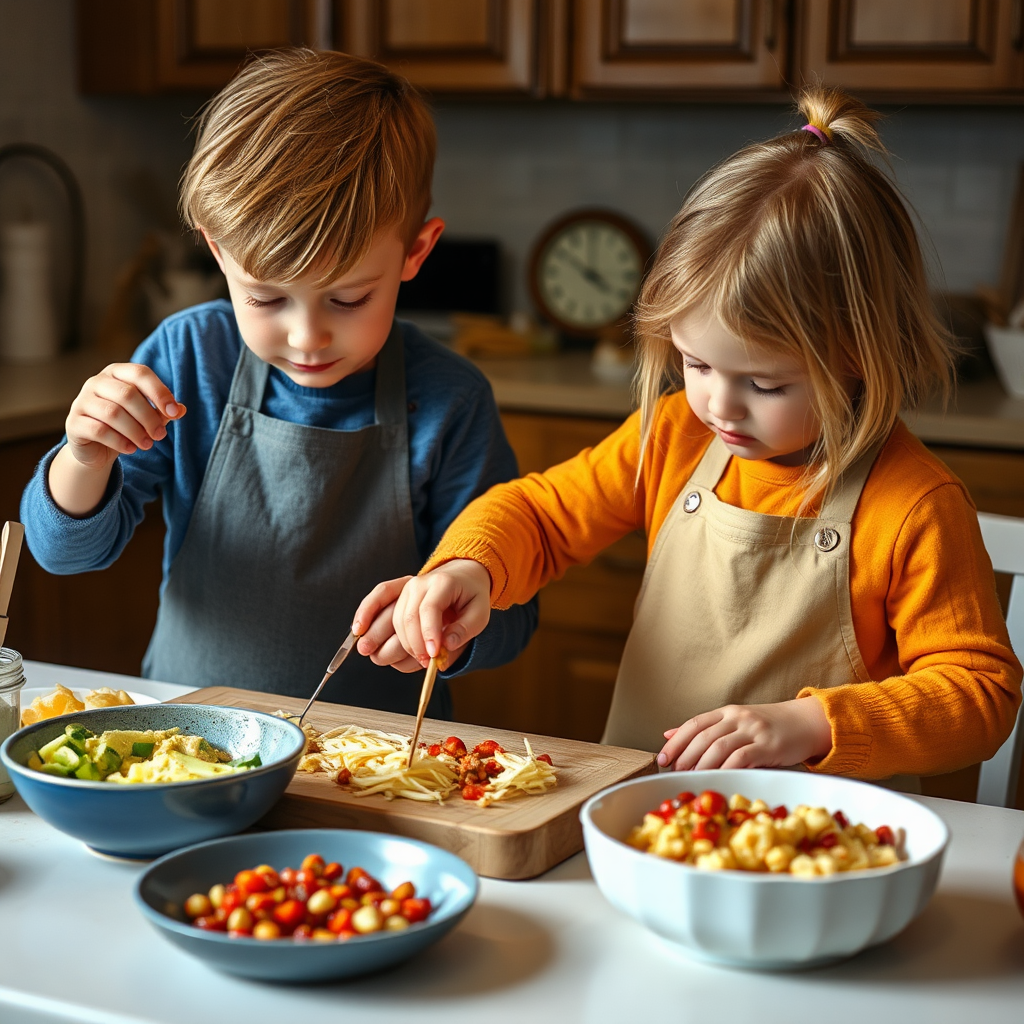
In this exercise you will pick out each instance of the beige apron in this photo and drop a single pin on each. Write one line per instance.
(737, 607)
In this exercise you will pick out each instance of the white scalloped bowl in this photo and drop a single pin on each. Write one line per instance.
(764, 921)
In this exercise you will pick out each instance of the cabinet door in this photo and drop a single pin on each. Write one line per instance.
(202, 43)
(940, 46)
(453, 46)
(671, 46)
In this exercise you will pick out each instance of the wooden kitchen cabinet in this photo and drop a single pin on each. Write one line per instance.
(482, 47)
(98, 620)
(672, 46)
(933, 46)
(151, 46)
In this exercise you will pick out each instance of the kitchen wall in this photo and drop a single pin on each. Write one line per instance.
(504, 170)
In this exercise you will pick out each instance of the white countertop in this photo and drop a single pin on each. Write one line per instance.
(73, 948)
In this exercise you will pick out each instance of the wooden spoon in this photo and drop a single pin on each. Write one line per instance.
(10, 552)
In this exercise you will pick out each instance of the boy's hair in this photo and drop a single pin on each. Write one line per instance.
(802, 245)
(303, 157)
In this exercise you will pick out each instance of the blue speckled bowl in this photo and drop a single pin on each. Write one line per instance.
(146, 820)
(445, 879)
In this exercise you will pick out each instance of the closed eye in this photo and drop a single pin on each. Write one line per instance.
(699, 367)
(251, 300)
(352, 305)
(778, 390)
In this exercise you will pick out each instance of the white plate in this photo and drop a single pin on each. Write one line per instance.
(29, 694)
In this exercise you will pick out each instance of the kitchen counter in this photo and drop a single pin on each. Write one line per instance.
(35, 399)
(75, 949)
(982, 415)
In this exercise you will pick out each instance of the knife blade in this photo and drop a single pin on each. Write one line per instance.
(343, 652)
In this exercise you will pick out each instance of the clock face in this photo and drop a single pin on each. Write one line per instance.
(588, 272)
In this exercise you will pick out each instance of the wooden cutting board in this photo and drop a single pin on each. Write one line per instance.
(520, 839)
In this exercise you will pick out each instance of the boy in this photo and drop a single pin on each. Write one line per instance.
(303, 442)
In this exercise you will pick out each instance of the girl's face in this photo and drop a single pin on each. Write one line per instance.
(756, 400)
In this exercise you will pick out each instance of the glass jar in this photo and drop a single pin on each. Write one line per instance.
(12, 679)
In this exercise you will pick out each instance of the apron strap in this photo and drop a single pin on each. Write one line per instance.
(389, 394)
(249, 381)
(842, 502)
(712, 465)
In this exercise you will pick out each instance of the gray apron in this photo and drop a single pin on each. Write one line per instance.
(292, 527)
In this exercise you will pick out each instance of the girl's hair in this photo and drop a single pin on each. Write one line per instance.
(802, 245)
(303, 157)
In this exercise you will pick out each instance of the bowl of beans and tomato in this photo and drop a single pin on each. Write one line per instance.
(306, 904)
(764, 869)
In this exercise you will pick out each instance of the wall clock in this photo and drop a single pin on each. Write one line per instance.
(586, 269)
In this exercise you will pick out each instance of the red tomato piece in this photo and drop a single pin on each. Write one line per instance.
(885, 835)
(233, 897)
(332, 871)
(210, 923)
(707, 830)
(416, 908)
(365, 883)
(287, 876)
(340, 921)
(737, 817)
(313, 862)
(302, 931)
(472, 792)
(828, 840)
(261, 901)
(488, 748)
(454, 746)
(492, 768)
(434, 750)
(344, 777)
(666, 809)
(546, 758)
(841, 819)
(249, 882)
(780, 812)
(710, 802)
(270, 876)
(309, 879)
(290, 914)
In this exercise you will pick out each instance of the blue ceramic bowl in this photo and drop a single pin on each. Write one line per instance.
(148, 819)
(448, 881)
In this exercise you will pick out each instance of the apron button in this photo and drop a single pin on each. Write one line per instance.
(826, 539)
(692, 502)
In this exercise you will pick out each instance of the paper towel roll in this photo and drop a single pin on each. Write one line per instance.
(28, 320)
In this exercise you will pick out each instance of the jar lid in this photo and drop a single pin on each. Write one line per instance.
(12, 670)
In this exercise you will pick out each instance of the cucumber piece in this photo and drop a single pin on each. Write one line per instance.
(142, 749)
(87, 770)
(107, 759)
(55, 769)
(197, 766)
(78, 732)
(246, 762)
(67, 757)
(47, 750)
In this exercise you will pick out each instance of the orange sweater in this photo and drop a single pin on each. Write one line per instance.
(927, 619)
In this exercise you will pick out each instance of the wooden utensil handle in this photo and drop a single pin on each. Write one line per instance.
(10, 552)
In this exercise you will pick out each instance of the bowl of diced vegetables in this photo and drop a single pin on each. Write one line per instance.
(138, 781)
(306, 904)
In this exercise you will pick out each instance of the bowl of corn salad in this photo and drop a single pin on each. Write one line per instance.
(764, 869)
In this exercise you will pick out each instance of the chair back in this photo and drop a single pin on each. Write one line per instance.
(1004, 541)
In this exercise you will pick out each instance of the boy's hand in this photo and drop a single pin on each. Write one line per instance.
(750, 736)
(374, 626)
(123, 408)
(444, 608)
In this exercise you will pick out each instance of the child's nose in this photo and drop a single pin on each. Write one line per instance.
(723, 402)
(306, 334)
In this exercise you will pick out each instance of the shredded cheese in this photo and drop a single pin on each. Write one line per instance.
(376, 763)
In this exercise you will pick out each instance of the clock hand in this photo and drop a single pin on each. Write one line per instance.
(588, 273)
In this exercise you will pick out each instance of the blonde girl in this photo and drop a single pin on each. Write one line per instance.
(817, 591)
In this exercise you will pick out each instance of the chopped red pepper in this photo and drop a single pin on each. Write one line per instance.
(454, 746)
(885, 836)
(488, 748)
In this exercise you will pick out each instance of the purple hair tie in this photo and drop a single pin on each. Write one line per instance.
(823, 133)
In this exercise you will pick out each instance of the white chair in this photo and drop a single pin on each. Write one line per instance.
(1004, 541)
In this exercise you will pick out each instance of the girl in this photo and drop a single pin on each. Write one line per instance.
(816, 591)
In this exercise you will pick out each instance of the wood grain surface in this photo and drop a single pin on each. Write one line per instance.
(518, 839)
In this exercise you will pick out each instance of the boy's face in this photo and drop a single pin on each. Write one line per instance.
(319, 335)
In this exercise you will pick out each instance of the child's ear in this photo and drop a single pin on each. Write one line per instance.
(420, 249)
(214, 248)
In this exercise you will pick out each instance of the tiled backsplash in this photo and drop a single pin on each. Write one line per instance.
(504, 170)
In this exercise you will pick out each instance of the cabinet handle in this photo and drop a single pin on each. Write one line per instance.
(769, 24)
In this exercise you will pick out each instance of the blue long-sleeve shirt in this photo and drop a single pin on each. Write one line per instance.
(457, 450)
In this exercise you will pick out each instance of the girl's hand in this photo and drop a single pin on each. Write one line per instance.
(374, 626)
(122, 409)
(750, 736)
(444, 608)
